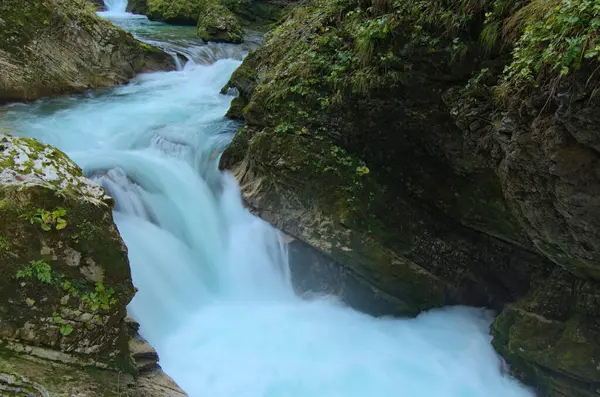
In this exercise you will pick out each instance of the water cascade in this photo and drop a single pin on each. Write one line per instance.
(116, 6)
(215, 298)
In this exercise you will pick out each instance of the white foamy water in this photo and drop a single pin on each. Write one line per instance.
(214, 292)
(116, 6)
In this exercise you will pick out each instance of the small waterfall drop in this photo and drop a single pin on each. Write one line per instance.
(116, 6)
(215, 297)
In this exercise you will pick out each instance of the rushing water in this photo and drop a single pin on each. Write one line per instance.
(116, 6)
(214, 292)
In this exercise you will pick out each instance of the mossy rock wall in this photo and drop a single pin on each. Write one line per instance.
(53, 47)
(386, 136)
(66, 278)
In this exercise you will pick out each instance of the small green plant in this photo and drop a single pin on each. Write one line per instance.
(39, 269)
(64, 329)
(101, 298)
(47, 219)
(476, 85)
(362, 170)
(284, 127)
(4, 245)
(85, 231)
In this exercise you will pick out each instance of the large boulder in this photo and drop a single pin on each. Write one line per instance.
(181, 12)
(66, 280)
(412, 173)
(217, 23)
(53, 47)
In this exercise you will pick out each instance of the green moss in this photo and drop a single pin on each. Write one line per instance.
(78, 265)
(542, 349)
(178, 11)
(217, 23)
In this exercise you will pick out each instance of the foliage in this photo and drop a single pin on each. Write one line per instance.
(64, 329)
(4, 244)
(47, 219)
(476, 86)
(100, 298)
(559, 42)
(85, 231)
(39, 269)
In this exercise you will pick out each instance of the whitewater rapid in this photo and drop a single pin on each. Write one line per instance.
(215, 297)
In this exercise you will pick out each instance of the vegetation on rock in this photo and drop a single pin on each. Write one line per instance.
(217, 23)
(216, 20)
(43, 198)
(52, 47)
(66, 283)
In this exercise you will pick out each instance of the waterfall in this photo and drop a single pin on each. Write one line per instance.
(116, 6)
(215, 297)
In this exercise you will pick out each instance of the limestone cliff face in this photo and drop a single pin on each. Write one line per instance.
(413, 172)
(65, 280)
(54, 47)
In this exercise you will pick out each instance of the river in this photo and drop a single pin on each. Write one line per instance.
(215, 297)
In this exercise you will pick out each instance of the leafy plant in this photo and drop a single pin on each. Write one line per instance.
(568, 34)
(284, 127)
(101, 298)
(4, 244)
(39, 269)
(64, 329)
(47, 219)
(362, 170)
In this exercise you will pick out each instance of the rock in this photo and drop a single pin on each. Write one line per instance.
(62, 326)
(157, 384)
(137, 6)
(554, 339)
(55, 47)
(214, 21)
(179, 12)
(408, 182)
(99, 4)
(217, 23)
(21, 376)
(52, 214)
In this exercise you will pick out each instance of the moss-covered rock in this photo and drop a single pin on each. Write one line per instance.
(551, 336)
(214, 21)
(386, 136)
(138, 6)
(66, 276)
(182, 12)
(65, 285)
(53, 47)
(217, 23)
(339, 142)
